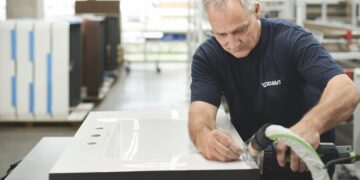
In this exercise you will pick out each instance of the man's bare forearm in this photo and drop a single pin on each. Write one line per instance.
(201, 119)
(336, 104)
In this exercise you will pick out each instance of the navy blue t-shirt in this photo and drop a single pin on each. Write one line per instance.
(278, 82)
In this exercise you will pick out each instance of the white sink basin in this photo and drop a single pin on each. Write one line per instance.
(137, 145)
(148, 141)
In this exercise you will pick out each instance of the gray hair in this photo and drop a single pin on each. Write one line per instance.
(247, 4)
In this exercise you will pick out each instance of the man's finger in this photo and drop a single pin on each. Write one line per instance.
(219, 156)
(229, 143)
(235, 149)
(225, 151)
(302, 167)
(280, 154)
(294, 163)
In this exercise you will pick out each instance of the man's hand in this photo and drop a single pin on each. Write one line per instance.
(218, 145)
(338, 101)
(310, 134)
(211, 142)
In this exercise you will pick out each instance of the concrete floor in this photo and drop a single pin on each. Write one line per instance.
(142, 88)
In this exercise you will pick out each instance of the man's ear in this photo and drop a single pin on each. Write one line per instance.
(257, 10)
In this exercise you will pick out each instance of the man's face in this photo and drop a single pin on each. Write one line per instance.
(235, 28)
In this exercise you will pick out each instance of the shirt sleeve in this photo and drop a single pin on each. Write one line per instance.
(205, 84)
(313, 61)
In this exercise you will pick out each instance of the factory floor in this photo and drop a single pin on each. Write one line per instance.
(142, 88)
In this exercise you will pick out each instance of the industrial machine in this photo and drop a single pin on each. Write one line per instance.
(262, 149)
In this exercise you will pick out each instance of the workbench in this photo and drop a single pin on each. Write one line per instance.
(39, 161)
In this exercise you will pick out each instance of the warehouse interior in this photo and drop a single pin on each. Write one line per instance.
(62, 63)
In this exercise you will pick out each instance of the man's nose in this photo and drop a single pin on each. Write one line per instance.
(233, 42)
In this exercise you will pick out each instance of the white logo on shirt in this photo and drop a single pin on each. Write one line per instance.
(271, 83)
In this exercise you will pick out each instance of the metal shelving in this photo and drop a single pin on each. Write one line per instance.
(146, 33)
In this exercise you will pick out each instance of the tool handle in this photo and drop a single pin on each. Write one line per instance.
(259, 141)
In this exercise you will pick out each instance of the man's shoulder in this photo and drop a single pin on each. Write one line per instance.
(211, 43)
(283, 27)
(210, 47)
(209, 54)
(282, 30)
(280, 23)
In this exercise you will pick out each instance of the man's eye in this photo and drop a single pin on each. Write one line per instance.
(240, 31)
(222, 35)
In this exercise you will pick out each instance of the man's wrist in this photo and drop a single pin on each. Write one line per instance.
(199, 138)
(316, 125)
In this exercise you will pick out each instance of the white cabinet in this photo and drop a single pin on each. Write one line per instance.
(8, 57)
(34, 70)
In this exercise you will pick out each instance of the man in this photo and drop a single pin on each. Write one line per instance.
(269, 71)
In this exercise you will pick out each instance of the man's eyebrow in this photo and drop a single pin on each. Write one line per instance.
(241, 27)
(218, 32)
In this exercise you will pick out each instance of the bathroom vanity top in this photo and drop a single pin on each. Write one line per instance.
(143, 145)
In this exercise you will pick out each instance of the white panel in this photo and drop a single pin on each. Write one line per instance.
(60, 69)
(7, 70)
(42, 54)
(356, 121)
(24, 71)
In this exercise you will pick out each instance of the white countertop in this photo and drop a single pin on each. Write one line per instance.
(139, 141)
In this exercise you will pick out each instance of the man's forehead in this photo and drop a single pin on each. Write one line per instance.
(235, 27)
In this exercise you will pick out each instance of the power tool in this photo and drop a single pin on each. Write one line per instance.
(329, 153)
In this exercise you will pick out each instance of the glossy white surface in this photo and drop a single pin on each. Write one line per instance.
(138, 141)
